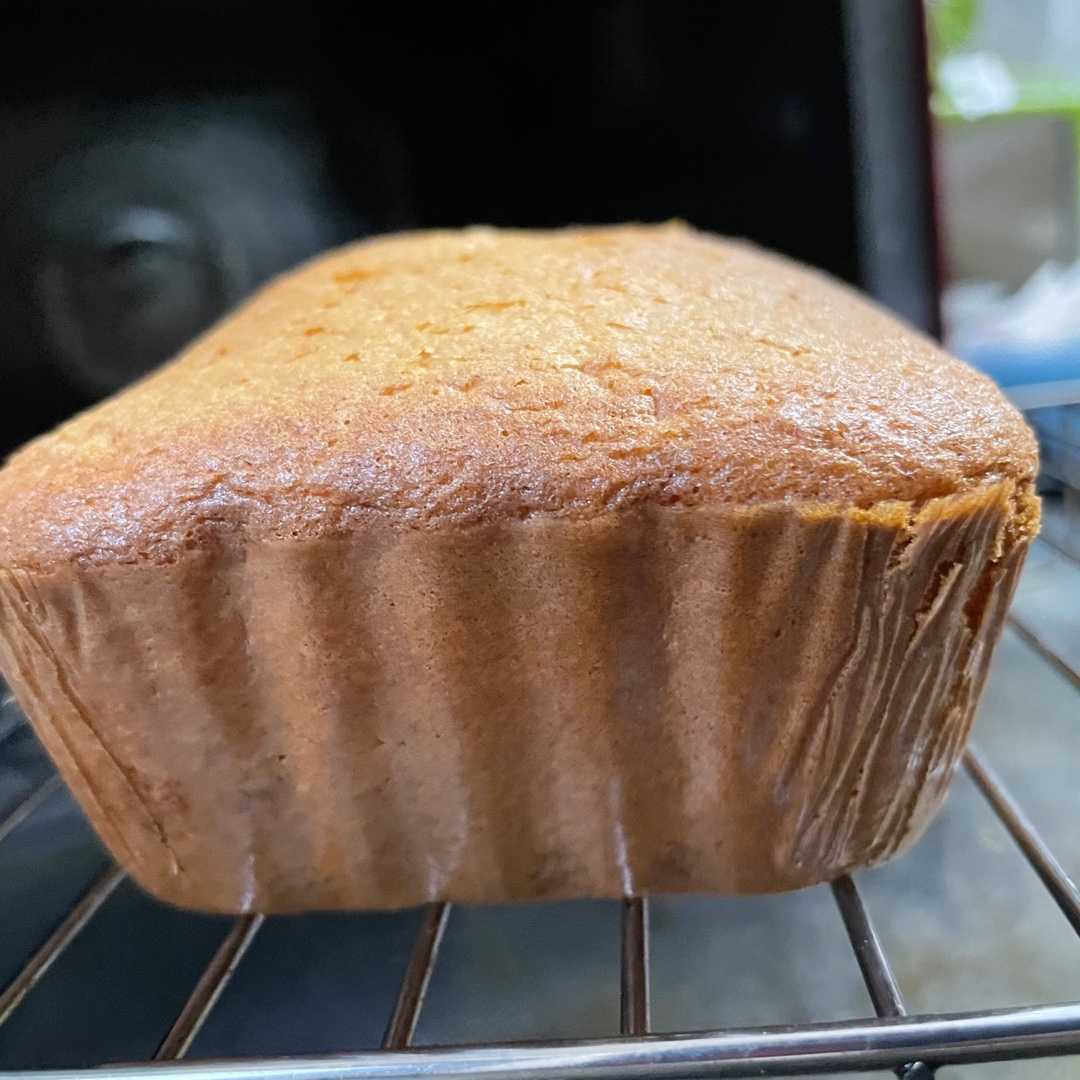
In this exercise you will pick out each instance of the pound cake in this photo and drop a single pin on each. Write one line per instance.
(503, 565)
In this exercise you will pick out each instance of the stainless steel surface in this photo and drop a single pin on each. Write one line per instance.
(1045, 651)
(751, 986)
(38, 965)
(876, 973)
(1063, 889)
(209, 988)
(9, 716)
(634, 990)
(874, 965)
(854, 1046)
(414, 986)
(24, 809)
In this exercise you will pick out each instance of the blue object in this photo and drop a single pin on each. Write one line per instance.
(1024, 365)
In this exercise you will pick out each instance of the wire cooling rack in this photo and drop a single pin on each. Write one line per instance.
(912, 1045)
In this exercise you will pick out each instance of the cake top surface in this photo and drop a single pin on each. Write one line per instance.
(448, 378)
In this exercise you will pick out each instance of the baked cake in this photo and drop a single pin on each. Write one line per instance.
(503, 565)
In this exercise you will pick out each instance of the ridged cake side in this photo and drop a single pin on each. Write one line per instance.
(730, 699)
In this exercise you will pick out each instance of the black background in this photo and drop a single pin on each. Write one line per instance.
(733, 117)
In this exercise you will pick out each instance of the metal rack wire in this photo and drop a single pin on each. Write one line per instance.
(912, 1045)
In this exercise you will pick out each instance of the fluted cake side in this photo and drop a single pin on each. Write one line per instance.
(720, 700)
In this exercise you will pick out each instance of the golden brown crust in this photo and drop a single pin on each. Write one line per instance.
(471, 377)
